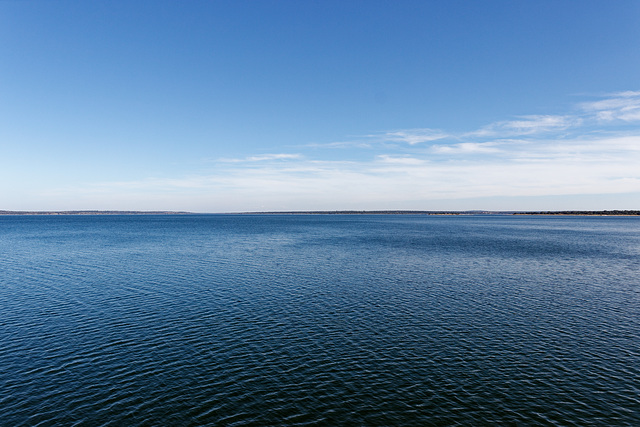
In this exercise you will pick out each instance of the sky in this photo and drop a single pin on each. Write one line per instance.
(234, 106)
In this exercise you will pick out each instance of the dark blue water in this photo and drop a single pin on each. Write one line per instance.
(319, 320)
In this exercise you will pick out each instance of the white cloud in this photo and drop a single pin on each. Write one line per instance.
(527, 125)
(263, 157)
(604, 165)
(404, 136)
(341, 144)
(414, 136)
(399, 160)
(624, 106)
(548, 155)
(467, 148)
(273, 157)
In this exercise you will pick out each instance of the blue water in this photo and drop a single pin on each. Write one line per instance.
(319, 320)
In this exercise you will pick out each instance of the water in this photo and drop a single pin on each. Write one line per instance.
(319, 320)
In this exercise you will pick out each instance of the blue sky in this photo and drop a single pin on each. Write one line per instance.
(224, 106)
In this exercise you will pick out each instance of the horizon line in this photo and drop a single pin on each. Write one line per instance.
(628, 212)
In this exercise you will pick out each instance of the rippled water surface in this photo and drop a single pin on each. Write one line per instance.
(319, 320)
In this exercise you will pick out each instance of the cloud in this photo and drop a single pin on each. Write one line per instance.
(341, 144)
(273, 157)
(533, 156)
(594, 165)
(527, 125)
(263, 157)
(624, 106)
(467, 148)
(399, 160)
(413, 136)
(372, 141)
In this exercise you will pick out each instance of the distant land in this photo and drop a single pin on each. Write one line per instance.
(475, 212)
(345, 212)
(93, 213)
(597, 213)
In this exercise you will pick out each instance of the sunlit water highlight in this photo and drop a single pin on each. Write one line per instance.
(319, 320)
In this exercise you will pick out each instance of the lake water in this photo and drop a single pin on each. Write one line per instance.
(319, 320)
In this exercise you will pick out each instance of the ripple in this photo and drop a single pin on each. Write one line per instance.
(315, 321)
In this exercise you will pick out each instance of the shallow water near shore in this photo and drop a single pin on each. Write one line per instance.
(319, 320)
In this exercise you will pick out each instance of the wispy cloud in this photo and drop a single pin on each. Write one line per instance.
(342, 144)
(263, 157)
(624, 106)
(400, 160)
(404, 137)
(543, 155)
(577, 166)
(527, 125)
(282, 156)
(413, 136)
(467, 148)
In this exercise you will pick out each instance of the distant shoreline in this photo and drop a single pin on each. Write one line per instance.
(583, 213)
(343, 212)
(93, 213)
